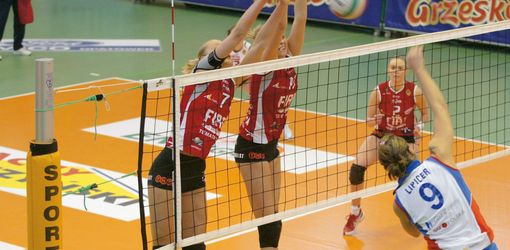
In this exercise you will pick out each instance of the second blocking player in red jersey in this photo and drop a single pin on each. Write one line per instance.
(256, 149)
(390, 110)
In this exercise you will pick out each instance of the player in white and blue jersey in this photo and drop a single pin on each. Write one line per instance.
(432, 198)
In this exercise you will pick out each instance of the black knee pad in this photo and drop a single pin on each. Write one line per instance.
(199, 246)
(192, 171)
(269, 234)
(357, 174)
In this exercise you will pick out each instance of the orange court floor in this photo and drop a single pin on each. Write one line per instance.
(108, 217)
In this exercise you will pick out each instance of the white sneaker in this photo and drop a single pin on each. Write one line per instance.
(23, 52)
(287, 132)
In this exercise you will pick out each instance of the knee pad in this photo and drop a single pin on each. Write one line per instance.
(269, 234)
(199, 246)
(357, 174)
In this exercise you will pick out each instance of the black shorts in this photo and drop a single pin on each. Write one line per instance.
(247, 151)
(379, 134)
(192, 171)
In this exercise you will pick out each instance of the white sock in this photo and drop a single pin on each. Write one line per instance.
(355, 210)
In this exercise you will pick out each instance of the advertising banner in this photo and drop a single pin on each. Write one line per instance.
(355, 12)
(426, 16)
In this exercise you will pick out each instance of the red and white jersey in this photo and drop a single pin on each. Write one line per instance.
(398, 108)
(204, 108)
(437, 200)
(237, 56)
(271, 95)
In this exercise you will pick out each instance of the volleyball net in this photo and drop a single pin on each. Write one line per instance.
(328, 118)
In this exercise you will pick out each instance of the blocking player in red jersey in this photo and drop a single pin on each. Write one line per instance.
(391, 111)
(204, 107)
(256, 150)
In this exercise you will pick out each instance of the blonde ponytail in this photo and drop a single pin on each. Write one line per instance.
(203, 51)
(190, 65)
(252, 33)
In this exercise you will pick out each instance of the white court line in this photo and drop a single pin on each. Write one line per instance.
(387, 187)
(7, 246)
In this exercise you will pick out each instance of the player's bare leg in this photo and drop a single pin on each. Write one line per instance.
(366, 156)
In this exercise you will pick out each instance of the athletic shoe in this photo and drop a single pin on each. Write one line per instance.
(287, 132)
(23, 52)
(352, 223)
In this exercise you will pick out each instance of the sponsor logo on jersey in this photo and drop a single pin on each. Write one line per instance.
(408, 92)
(239, 155)
(209, 97)
(163, 180)
(445, 218)
(277, 86)
(394, 122)
(396, 100)
(198, 141)
(256, 156)
(214, 118)
(284, 103)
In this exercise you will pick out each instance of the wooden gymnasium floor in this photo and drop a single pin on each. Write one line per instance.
(111, 220)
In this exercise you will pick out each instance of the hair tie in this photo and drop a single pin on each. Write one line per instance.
(382, 142)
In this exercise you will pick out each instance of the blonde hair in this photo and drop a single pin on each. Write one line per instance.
(204, 50)
(394, 155)
(252, 33)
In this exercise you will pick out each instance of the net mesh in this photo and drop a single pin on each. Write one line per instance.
(328, 122)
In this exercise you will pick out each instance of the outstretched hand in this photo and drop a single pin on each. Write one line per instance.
(415, 58)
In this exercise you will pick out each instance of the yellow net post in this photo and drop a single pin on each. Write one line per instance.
(44, 186)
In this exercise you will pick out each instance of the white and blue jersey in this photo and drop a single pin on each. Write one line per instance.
(437, 200)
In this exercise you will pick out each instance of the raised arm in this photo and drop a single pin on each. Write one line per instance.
(440, 145)
(266, 38)
(269, 35)
(240, 30)
(297, 33)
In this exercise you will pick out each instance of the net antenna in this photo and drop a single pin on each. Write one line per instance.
(176, 155)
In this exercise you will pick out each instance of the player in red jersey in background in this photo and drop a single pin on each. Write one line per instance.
(256, 149)
(391, 111)
(204, 108)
